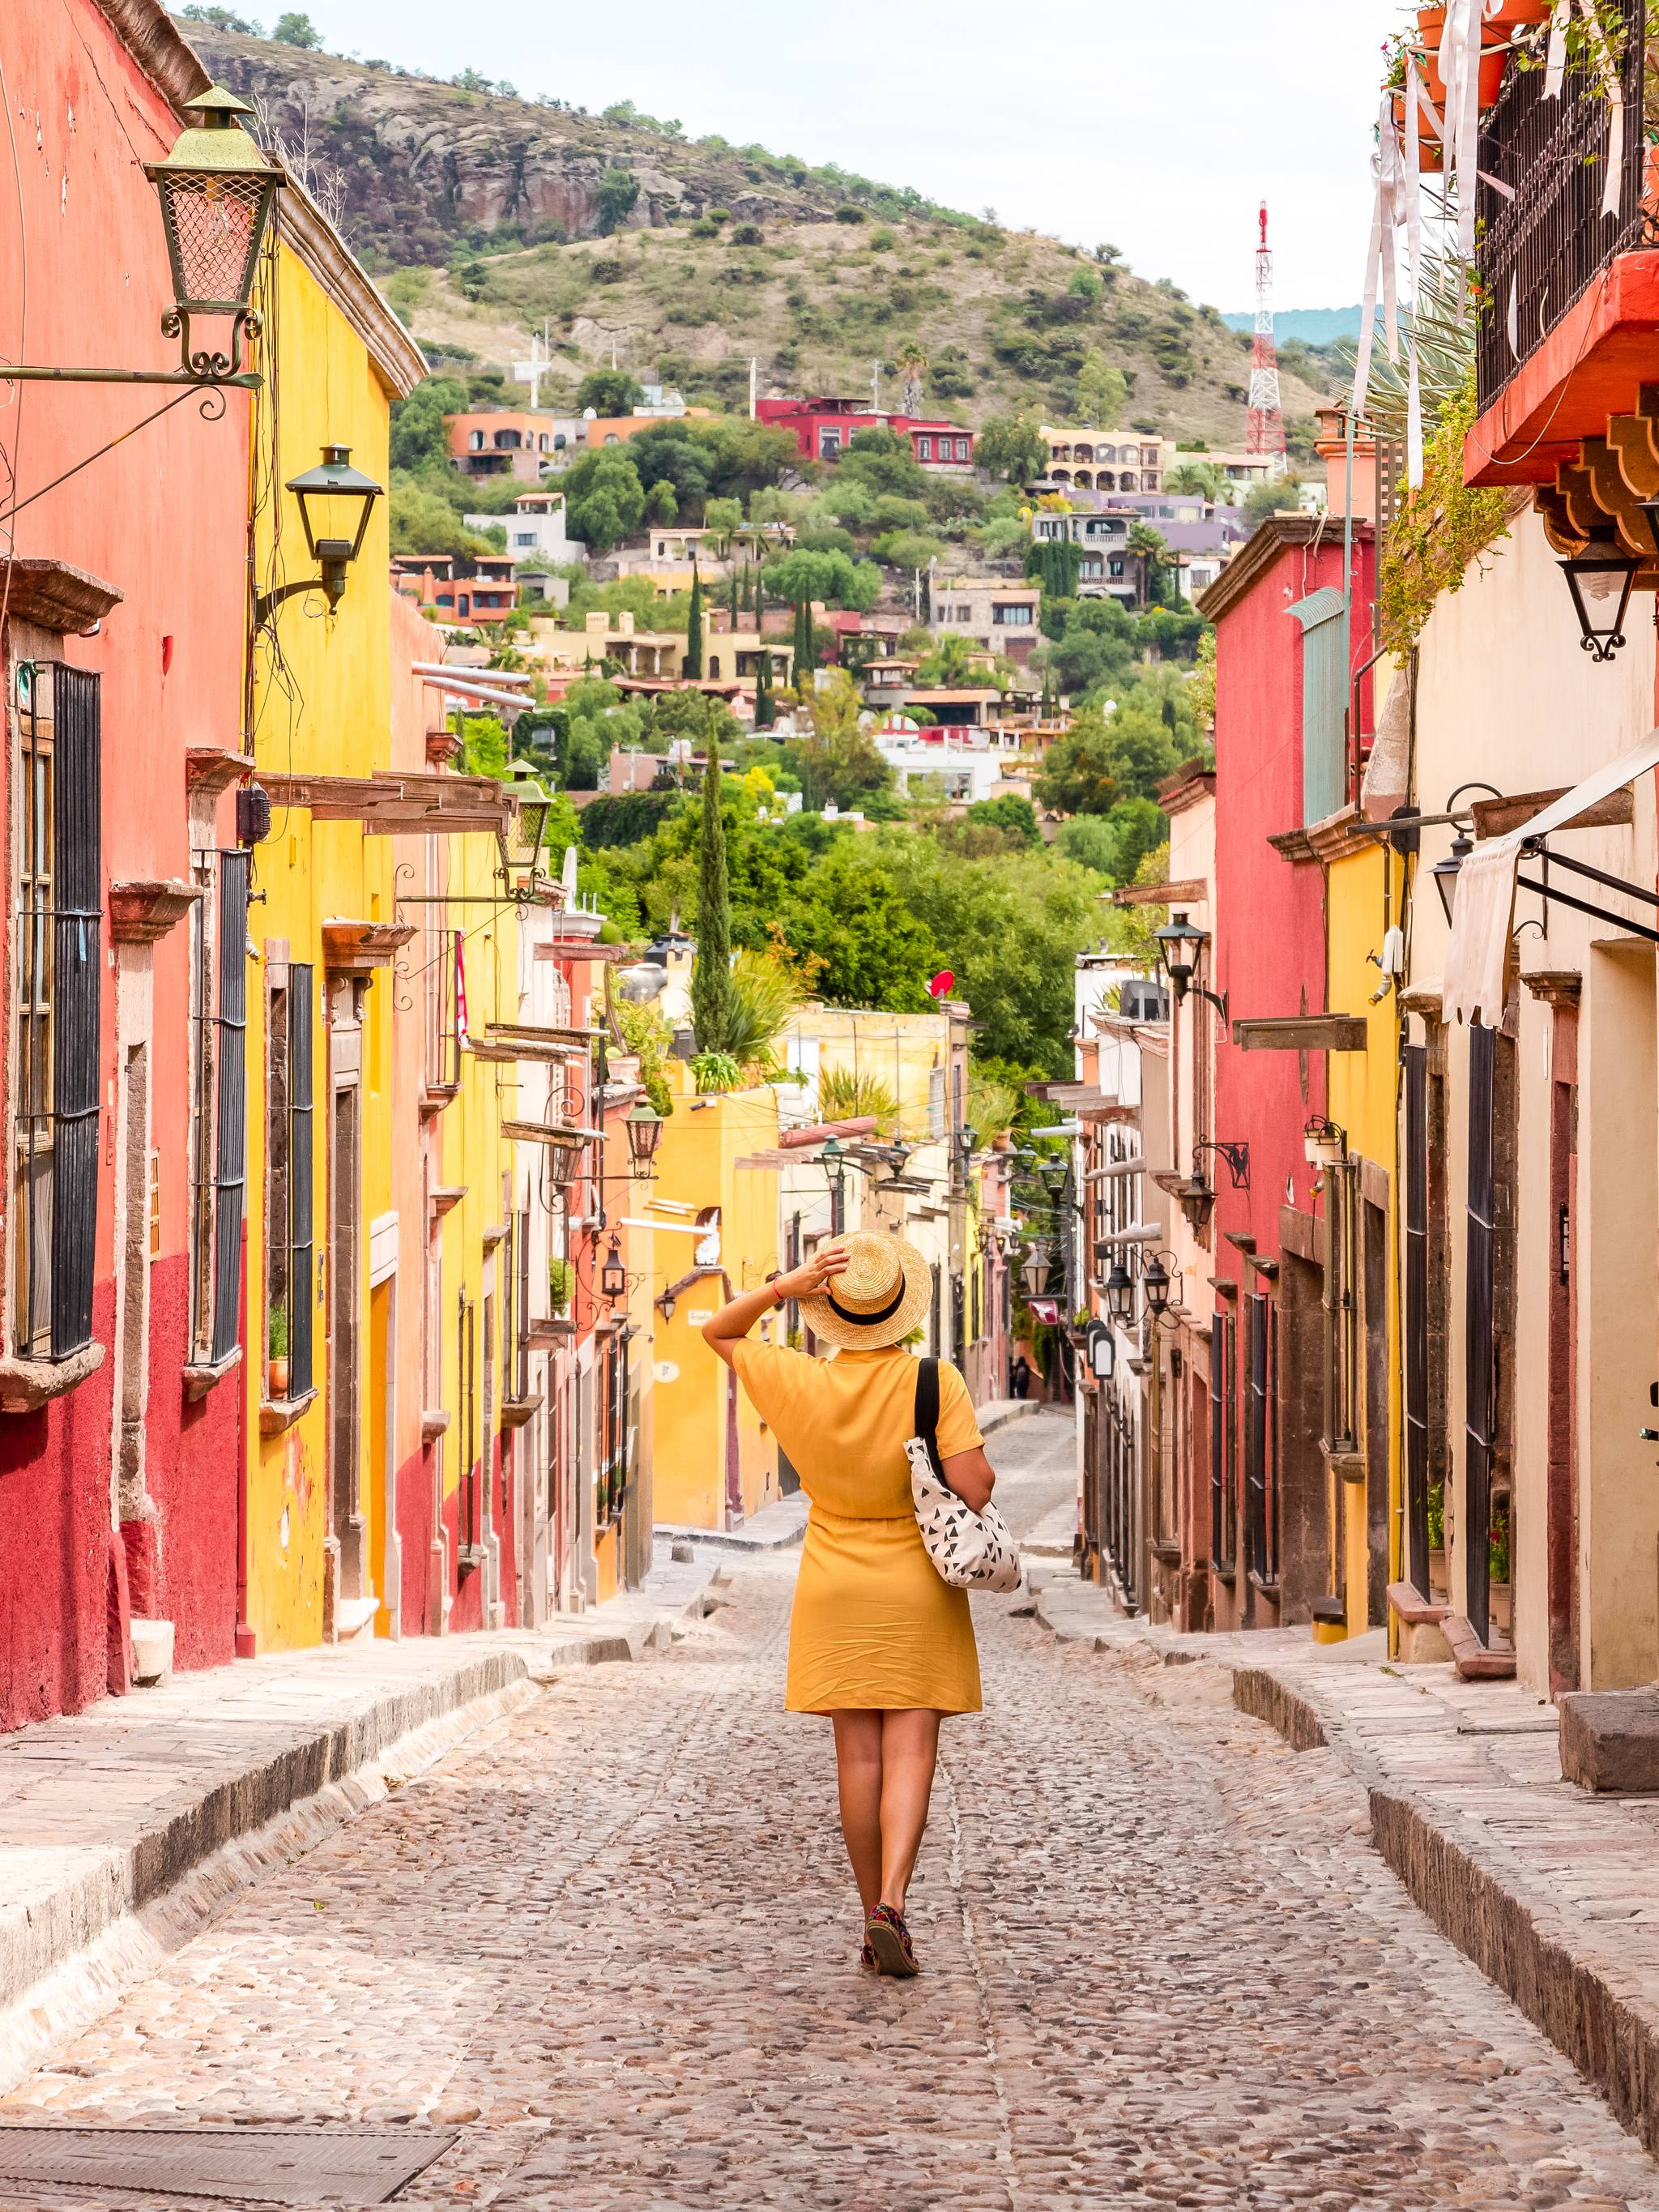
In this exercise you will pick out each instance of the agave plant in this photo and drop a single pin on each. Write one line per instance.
(1439, 328)
(765, 994)
(848, 1094)
(992, 1106)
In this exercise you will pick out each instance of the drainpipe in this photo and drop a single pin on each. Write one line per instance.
(1347, 565)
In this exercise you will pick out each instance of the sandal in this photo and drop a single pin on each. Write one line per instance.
(886, 1935)
(867, 1961)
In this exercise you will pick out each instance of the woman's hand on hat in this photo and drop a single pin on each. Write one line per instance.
(813, 1279)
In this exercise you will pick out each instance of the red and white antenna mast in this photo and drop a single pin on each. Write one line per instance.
(1266, 430)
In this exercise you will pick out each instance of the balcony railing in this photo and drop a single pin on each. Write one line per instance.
(1542, 246)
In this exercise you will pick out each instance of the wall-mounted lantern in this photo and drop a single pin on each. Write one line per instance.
(1601, 579)
(644, 1127)
(335, 502)
(1121, 1293)
(218, 194)
(613, 1276)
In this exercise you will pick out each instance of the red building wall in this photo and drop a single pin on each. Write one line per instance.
(163, 519)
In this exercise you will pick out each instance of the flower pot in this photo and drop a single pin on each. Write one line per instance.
(1494, 58)
(276, 1379)
(1431, 154)
(1517, 14)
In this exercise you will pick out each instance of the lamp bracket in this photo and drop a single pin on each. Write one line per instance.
(247, 379)
(1237, 1156)
(1582, 906)
(1218, 999)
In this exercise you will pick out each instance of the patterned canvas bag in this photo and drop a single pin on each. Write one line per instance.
(972, 1551)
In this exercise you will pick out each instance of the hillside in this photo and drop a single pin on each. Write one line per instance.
(488, 217)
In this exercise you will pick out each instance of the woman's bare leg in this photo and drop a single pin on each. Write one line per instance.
(859, 1771)
(910, 1752)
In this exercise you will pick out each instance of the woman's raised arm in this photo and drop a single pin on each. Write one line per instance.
(734, 1320)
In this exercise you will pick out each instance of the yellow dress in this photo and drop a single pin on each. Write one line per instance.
(873, 1624)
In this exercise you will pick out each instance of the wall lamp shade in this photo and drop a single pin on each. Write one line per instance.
(1324, 1144)
(1177, 949)
(613, 1276)
(1445, 872)
(1033, 1276)
(1601, 579)
(218, 193)
(644, 1127)
(1121, 1293)
(335, 502)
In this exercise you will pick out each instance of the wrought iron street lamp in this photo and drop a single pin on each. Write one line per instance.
(1178, 944)
(335, 502)
(218, 193)
(644, 1127)
(1155, 1285)
(613, 1276)
(833, 1160)
(1121, 1293)
(1033, 1276)
(1601, 579)
(1445, 872)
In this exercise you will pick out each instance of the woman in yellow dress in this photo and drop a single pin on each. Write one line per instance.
(878, 1640)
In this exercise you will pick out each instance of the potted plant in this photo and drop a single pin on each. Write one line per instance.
(277, 1353)
(560, 1280)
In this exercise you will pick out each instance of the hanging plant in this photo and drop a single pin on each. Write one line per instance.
(1440, 532)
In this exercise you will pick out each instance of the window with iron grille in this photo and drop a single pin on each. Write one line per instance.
(613, 1428)
(1261, 1442)
(218, 1101)
(1415, 1317)
(1223, 1431)
(59, 980)
(519, 1275)
(289, 1238)
(467, 1355)
(1480, 1345)
(1341, 1308)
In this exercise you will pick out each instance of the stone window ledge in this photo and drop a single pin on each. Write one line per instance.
(26, 1385)
(201, 1374)
(277, 1414)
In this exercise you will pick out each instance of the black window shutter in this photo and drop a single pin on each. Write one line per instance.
(78, 988)
(230, 1165)
(302, 1287)
(1480, 1355)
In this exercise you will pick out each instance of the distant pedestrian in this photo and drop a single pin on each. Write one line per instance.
(878, 1640)
(1019, 1379)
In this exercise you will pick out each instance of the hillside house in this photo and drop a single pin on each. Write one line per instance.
(824, 429)
(1000, 617)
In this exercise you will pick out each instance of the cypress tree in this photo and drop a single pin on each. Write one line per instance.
(745, 603)
(711, 978)
(765, 712)
(803, 643)
(692, 664)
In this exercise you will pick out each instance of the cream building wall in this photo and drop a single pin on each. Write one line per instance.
(1506, 694)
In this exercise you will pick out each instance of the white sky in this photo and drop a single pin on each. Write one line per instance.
(1158, 124)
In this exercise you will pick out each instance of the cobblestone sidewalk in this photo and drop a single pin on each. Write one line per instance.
(612, 1939)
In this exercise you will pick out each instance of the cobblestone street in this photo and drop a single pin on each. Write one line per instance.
(612, 1940)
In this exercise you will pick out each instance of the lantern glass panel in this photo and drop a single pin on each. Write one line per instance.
(215, 226)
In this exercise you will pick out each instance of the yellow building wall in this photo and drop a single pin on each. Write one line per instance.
(324, 706)
(697, 1157)
(1363, 894)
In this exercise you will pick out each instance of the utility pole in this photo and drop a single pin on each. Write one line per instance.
(1264, 431)
(754, 386)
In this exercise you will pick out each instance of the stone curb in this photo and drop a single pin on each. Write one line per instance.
(1467, 1887)
(775, 1538)
(1001, 1411)
(64, 1884)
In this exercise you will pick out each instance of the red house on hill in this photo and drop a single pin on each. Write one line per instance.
(824, 429)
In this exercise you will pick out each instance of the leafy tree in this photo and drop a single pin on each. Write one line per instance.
(1094, 644)
(625, 817)
(661, 506)
(1141, 751)
(1009, 813)
(830, 578)
(419, 439)
(1262, 500)
(837, 759)
(691, 665)
(294, 29)
(712, 1007)
(1011, 447)
(424, 521)
(1101, 390)
(1087, 287)
(849, 916)
(615, 199)
(725, 518)
(947, 666)
(604, 500)
(907, 549)
(220, 19)
(609, 393)
(1077, 774)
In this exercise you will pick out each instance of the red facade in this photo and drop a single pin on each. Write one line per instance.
(119, 1488)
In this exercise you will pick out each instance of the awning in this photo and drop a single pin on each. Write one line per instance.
(1481, 917)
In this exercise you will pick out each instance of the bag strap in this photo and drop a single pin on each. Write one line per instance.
(927, 1408)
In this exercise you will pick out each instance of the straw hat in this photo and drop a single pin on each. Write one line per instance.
(882, 1296)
